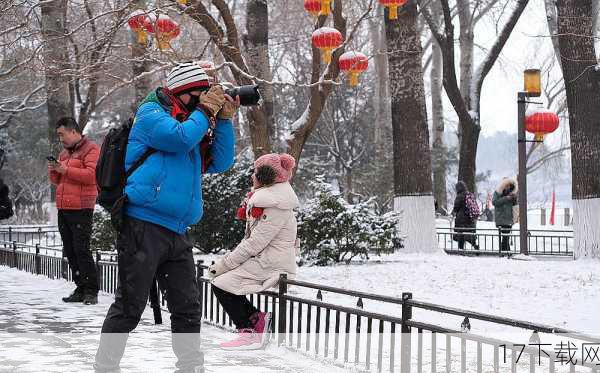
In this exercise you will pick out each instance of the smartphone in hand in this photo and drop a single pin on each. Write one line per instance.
(51, 159)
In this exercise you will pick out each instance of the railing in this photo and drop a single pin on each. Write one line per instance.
(45, 235)
(349, 335)
(540, 242)
(389, 338)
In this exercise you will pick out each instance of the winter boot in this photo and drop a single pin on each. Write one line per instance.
(262, 326)
(75, 297)
(247, 340)
(90, 299)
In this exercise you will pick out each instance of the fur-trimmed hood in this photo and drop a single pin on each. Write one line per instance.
(506, 182)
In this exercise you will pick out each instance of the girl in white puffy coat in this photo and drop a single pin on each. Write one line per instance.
(268, 250)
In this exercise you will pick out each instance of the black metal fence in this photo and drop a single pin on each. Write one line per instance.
(395, 341)
(345, 333)
(540, 242)
(44, 235)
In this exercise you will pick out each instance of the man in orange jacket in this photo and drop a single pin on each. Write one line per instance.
(74, 175)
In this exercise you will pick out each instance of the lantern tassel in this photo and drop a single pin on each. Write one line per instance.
(539, 137)
(141, 37)
(163, 43)
(393, 12)
(327, 56)
(353, 79)
(325, 5)
(182, 2)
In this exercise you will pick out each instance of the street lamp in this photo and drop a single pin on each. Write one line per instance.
(532, 88)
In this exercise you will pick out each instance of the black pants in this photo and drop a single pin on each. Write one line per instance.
(465, 234)
(238, 307)
(147, 250)
(75, 228)
(505, 233)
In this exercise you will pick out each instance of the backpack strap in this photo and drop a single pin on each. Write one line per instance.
(139, 162)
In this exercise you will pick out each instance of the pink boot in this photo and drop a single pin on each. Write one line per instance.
(247, 339)
(262, 326)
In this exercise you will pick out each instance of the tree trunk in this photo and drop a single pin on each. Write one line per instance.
(382, 96)
(576, 44)
(59, 104)
(468, 154)
(54, 14)
(467, 45)
(412, 157)
(439, 160)
(256, 43)
(552, 21)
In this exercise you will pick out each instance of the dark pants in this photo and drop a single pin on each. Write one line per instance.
(238, 307)
(147, 250)
(505, 233)
(465, 234)
(75, 228)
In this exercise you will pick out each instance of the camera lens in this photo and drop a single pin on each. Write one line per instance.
(249, 94)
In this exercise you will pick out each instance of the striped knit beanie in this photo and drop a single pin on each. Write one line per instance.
(186, 77)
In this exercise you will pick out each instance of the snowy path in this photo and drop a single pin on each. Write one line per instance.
(40, 333)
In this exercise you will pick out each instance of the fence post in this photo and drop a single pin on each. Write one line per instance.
(405, 337)
(38, 260)
(567, 216)
(282, 311)
(99, 272)
(14, 254)
(9, 234)
(64, 268)
(500, 241)
(199, 275)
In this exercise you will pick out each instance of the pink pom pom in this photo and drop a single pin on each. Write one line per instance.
(287, 162)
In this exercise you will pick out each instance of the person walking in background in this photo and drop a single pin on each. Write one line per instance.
(74, 174)
(466, 211)
(267, 250)
(6, 208)
(505, 197)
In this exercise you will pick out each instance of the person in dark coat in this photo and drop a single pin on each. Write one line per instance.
(463, 225)
(6, 210)
(505, 197)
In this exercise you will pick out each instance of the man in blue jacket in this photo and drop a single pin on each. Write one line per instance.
(188, 123)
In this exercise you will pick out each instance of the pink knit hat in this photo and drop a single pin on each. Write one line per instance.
(283, 164)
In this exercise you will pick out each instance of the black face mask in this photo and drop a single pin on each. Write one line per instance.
(191, 105)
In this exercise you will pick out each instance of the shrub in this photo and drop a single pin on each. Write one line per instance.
(222, 194)
(332, 231)
(103, 233)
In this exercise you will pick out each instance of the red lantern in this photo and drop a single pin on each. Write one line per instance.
(166, 30)
(392, 5)
(149, 22)
(541, 123)
(313, 7)
(136, 23)
(353, 63)
(327, 39)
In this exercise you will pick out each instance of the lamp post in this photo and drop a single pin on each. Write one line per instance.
(532, 88)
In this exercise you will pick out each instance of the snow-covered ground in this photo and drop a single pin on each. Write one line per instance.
(40, 333)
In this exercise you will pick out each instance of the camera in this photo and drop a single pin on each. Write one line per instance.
(249, 94)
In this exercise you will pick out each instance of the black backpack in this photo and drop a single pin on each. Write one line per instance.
(111, 177)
